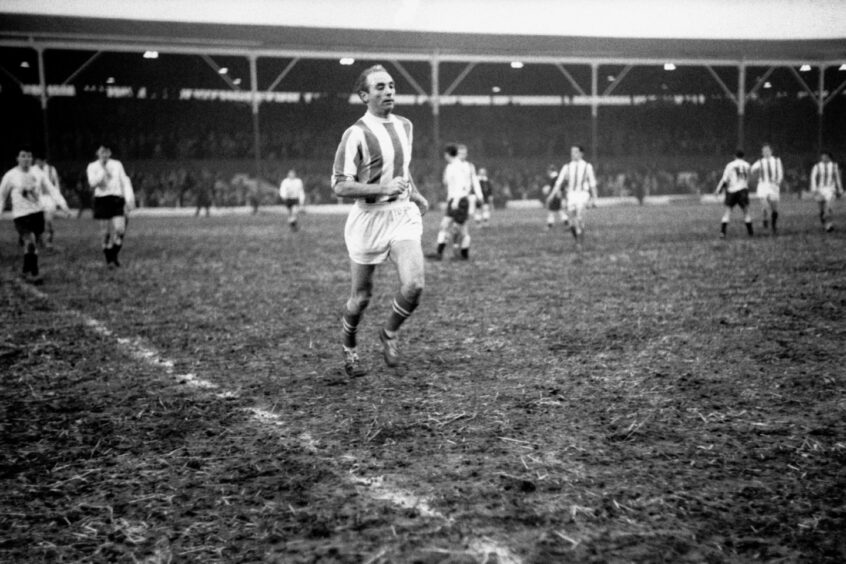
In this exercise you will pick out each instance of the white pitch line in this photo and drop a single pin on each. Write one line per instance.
(376, 488)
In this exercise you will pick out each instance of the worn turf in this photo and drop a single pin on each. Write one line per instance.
(658, 395)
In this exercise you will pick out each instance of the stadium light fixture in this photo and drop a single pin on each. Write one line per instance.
(110, 80)
(669, 67)
(516, 65)
(151, 54)
(768, 84)
(611, 78)
(805, 68)
(236, 81)
(842, 67)
(347, 61)
(24, 64)
(223, 70)
(496, 89)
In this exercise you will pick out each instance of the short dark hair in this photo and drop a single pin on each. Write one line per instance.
(579, 147)
(451, 150)
(825, 154)
(739, 153)
(361, 81)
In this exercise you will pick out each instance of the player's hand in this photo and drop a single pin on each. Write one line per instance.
(395, 187)
(421, 202)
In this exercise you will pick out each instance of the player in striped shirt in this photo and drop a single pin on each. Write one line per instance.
(735, 184)
(372, 167)
(113, 199)
(826, 185)
(48, 199)
(770, 174)
(26, 184)
(581, 189)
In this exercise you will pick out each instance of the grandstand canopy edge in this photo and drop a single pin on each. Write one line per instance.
(255, 41)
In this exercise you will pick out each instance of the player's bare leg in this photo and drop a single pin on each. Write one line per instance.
(361, 290)
(773, 205)
(106, 237)
(29, 242)
(118, 232)
(464, 241)
(408, 256)
(443, 237)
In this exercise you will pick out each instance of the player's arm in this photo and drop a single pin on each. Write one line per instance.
(477, 187)
(722, 185)
(128, 192)
(838, 183)
(96, 173)
(418, 198)
(556, 189)
(5, 188)
(814, 172)
(302, 194)
(54, 193)
(591, 178)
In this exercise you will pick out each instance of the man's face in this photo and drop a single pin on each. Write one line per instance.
(575, 153)
(103, 154)
(767, 151)
(25, 160)
(292, 174)
(380, 93)
(825, 158)
(462, 153)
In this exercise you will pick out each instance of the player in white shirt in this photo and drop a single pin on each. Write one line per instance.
(826, 184)
(293, 196)
(26, 185)
(372, 166)
(51, 204)
(462, 185)
(770, 173)
(735, 184)
(113, 199)
(581, 189)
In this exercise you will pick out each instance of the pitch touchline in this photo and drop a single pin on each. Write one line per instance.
(375, 487)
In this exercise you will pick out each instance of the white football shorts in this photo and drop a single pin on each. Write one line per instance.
(768, 190)
(825, 194)
(372, 229)
(577, 199)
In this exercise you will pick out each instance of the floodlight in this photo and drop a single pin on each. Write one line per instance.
(842, 67)
(669, 67)
(24, 64)
(804, 68)
(496, 89)
(236, 81)
(110, 80)
(768, 84)
(516, 65)
(151, 54)
(223, 70)
(347, 61)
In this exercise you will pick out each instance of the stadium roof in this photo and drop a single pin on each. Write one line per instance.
(118, 34)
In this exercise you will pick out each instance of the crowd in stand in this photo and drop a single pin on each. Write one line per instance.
(173, 149)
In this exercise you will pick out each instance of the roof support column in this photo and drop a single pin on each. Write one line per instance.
(741, 104)
(820, 109)
(254, 103)
(435, 100)
(42, 81)
(594, 111)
